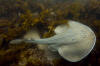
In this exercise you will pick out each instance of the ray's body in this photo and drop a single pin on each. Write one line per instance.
(73, 42)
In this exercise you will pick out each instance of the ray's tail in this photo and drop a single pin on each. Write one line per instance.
(17, 41)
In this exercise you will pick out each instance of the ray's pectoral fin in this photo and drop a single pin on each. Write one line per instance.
(79, 50)
(76, 52)
(70, 54)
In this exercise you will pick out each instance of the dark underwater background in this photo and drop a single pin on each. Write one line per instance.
(17, 17)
